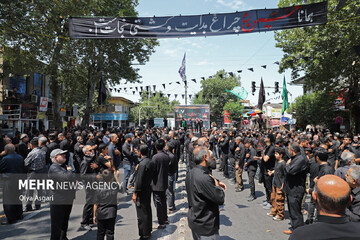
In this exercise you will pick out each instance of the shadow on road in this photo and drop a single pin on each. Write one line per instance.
(225, 220)
(241, 206)
(226, 238)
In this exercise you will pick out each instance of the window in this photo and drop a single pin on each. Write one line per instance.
(38, 79)
(20, 83)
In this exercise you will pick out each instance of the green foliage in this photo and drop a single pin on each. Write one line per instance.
(37, 31)
(213, 93)
(235, 108)
(325, 54)
(165, 106)
(313, 108)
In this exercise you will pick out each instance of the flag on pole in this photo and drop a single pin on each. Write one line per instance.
(261, 95)
(284, 96)
(182, 68)
(102, 91)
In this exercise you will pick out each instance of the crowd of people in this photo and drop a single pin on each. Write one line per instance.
(290, 165)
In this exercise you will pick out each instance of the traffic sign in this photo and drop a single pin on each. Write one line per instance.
(339, 120)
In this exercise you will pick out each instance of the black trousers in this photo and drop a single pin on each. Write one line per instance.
(231, 168)
(88, 210)
(13, 212)
(106, 227)
(251, 175)
(144, 214)
(160, 205)
(11, 203)
(294, 206)
(268, 186)
(59, 221)
(170, 194)
(224, 164)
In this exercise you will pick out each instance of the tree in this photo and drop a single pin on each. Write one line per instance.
(39, 30)
(325, 54)
(314, 109)
(235, 108)
(213, 92)
(165, 106)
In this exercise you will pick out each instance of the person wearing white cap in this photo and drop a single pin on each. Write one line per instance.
(60, 207)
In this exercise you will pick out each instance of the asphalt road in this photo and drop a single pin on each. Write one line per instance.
(239, 219)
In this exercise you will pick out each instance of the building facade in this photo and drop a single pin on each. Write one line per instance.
(114, 114)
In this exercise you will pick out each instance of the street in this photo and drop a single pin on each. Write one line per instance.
(239, 218)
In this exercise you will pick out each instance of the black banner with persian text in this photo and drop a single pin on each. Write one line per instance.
(199, 25)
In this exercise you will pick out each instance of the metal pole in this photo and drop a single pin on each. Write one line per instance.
(101, 116)
(186, 92)
(20, 127)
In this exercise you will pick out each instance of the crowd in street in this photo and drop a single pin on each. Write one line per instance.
(290, 165)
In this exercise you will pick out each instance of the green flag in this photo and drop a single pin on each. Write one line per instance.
(284, 96)
(240, 92)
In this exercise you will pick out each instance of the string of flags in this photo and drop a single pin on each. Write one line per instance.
(149, 88)
(191, 96)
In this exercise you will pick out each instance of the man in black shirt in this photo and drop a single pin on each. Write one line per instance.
(353, 179)
(128, 159)
(268, 163)
(251, 165)
(170, 191)
(332, 195)
(160, 182)
(60, 208)
(231, 159)
(64, 145)
(142, 193)
(78, 153)
(51, 146)
(104, 161)
(205, 194)
(239, 164)
(321, 156)
(224, 146)
(23, 148)
(296, 168)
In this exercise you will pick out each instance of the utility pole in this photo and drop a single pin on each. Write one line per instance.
(186, 87)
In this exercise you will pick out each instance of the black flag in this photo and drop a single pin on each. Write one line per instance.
(194, 80)
(136, 88)
(133, 92)
(164, 85)
(261, 95)
(183, 96)
(263, 66)
(251, 69)
(102, 91)
(154, 86)
(169, 95)
(175, 95)
(141, 88)
(178, 82)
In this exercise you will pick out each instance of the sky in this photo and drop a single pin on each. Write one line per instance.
(206, 56)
